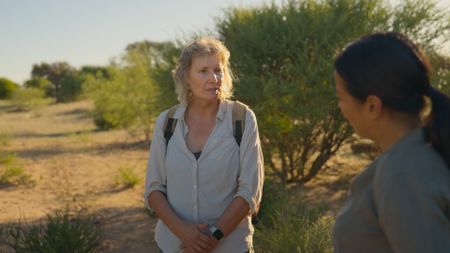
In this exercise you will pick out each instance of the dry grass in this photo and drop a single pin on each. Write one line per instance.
(74, 165)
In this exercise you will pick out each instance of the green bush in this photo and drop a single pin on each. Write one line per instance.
(127, 177)
(40, 83)
(130, 97)
(7, 158)
(62, 233)
(7, 88)
(71, 86)
(290, 224)
(59, 74)
(275, 196)
(124, 101)
(5, 139)
(11, 173)
(29, 99)
(283, 59)
(14, 175)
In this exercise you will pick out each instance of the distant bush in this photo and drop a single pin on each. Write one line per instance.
(291, 225)
(71, 86)
(137, 88)
(7, 88)
(62, 233)
(7, 158)
(29, 98)
(5, 139)
(40, 83)
(124, 101)
(11, 173)
(127, 177)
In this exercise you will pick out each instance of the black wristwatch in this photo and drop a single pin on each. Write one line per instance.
(216, 233)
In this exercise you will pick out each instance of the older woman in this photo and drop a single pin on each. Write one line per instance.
(202, 182)
(400, 202)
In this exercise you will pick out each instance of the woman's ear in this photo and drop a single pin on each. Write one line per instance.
(374, 107)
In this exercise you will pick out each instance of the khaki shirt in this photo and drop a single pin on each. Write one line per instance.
(400, 203)
(200, 190)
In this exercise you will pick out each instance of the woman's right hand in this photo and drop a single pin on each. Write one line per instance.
(194, 240)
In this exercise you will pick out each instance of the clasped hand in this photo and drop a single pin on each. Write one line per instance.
(196, 238)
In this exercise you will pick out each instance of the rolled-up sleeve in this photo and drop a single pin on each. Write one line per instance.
(251, 171)
(156, 174)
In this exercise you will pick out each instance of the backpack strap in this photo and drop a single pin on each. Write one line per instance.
(170, 124)
(239, 110)
(238, 121)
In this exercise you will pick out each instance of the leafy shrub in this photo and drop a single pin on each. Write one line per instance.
(7, 158)
(288, 81)
(124, 100)
(127, 177)
(14, 175)
(291, 225)
(40, 83)
(11, 173)
(29, 99)
(7, 88)
(5, 139)
(63, 232)
(137, 88)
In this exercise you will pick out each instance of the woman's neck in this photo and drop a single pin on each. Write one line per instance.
(202, 109)
(390, 132)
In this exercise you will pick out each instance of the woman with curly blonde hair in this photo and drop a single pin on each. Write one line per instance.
(202, 183)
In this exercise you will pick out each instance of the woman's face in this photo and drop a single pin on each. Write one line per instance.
(351, 108)
(205, 77)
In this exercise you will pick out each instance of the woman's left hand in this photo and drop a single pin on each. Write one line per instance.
(197, 239)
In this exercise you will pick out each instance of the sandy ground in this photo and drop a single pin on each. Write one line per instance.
(71, 163)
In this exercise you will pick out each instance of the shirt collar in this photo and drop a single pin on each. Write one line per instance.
(415, 136)
(221, 112)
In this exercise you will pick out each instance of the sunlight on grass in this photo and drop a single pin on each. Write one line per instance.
(5, 139)
(14, 175)
(290, 224)
(11, 173)
(62, 232)
(127, 177)
(7, 158)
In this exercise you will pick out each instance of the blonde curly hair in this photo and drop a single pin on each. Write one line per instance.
(200, 47)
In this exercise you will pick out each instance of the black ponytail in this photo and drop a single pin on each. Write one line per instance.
(438, 125)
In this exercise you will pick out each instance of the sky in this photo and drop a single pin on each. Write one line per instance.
(92, 32)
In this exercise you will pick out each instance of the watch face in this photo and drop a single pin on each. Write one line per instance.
(218, 234)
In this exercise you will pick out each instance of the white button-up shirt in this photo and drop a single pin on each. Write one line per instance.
(200, 190)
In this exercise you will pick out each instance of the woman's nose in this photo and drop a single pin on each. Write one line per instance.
(215, 77)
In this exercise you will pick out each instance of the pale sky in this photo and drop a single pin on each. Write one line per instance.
(91, 32)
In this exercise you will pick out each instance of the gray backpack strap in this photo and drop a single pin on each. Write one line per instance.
(238, 121)
(169, 124)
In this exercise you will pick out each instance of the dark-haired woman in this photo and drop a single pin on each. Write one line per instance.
(400, 202)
